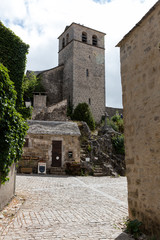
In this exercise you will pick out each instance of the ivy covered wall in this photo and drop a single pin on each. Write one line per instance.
(13, 53)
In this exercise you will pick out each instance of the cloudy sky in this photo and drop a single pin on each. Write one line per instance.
(40, 22)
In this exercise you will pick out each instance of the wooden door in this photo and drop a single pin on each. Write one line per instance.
(56, 153)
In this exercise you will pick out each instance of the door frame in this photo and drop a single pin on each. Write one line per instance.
(60, 140)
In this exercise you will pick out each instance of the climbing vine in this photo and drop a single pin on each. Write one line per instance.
(13, 56)
(12, 126)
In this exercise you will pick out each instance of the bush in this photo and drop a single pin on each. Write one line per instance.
(118, 144)
(83, 113)
(31, 84)
(12, 126)
(116, 123)
(133, 227)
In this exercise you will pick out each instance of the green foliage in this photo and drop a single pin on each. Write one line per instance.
(89, 148)
(118, 144)
(12, 126)
(31, 84)
(116, 123)
(26, 112)
(133, 227)
(83, 113)
(13, 56)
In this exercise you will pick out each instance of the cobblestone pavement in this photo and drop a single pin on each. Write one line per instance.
(67, 208)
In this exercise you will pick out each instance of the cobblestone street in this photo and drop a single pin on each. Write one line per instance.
(67, 208)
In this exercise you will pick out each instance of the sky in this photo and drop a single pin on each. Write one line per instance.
(40, 22)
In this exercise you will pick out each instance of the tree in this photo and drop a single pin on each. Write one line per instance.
(12, 126)
(83, 113)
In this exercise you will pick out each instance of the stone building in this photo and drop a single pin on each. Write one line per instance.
(52, 142)
(80, 75)
(140, 72)
(7, 190)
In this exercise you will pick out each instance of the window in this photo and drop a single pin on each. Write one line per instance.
(94, 40)
(89, 101)
(67, 38)
(70, 154)
(84, 37)
(63, 43)
(87, 73)
(26, 143)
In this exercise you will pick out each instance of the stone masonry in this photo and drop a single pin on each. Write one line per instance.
(140, 71)
(7, 190)
(84, 67)
(80, 75)
(39, 144)
(67, 208)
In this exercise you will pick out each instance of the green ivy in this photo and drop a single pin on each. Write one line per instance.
(12, 126)
(13, 56)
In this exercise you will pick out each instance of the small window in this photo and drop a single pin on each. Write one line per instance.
(89, 101)
(94, 40)
(67, 38)
(84, 37)
(70, 154)
(63, 43)
(87, 73)
(26, 143)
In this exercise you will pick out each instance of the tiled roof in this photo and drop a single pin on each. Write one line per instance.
(53, 127)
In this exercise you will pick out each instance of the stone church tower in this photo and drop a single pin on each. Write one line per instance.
(81, 52)
(80, 74)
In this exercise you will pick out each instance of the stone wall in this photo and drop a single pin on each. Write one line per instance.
(40, 148)
(140, 69)
(52, 82)
(56, 112)
(7, 190)
(112, 111)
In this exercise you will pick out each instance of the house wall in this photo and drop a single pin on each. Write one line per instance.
(52, 83)
(40, 148)
(140, 71)
(7, 190)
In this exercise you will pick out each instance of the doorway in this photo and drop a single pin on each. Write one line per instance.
(56, 153)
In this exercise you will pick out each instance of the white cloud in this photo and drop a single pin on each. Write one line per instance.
(40, 22)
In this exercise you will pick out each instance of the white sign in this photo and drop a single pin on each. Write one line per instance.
(87, 159)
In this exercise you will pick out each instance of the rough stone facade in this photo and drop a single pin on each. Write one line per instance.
(7, 190)
(84, 67)
(52, 82)
(39, 147)
(140, 71)
(56, 112)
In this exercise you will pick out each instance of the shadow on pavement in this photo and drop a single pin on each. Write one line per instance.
(124, 236)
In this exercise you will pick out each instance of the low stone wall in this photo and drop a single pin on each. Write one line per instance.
(7, 190)
(112, 111)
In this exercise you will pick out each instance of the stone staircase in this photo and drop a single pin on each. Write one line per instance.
(98, 171)
(57, 171)
(83, 152)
